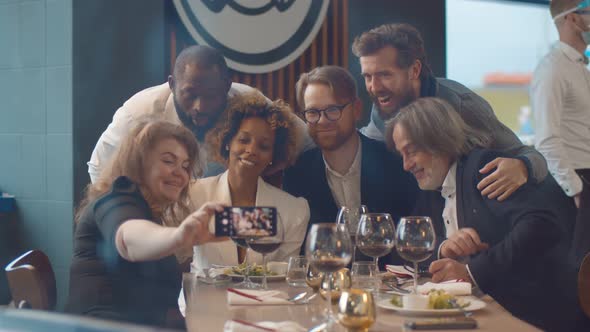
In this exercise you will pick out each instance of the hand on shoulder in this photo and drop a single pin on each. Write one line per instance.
(508, 175)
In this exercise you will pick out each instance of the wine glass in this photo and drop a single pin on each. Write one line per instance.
(350, 218)
(356, 310)
(265, 245)
(241, 241)
(328, 249)
(415, 240)
(375, 236)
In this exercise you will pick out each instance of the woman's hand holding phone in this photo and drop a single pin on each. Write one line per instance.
(194, 229)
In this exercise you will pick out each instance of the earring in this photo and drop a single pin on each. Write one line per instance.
(270, 163)
(227, 148)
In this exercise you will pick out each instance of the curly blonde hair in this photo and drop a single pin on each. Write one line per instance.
(129, 161)
(278, 114)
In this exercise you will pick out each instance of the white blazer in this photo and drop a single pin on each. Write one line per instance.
(292, 211)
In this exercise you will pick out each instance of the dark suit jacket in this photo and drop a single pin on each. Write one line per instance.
(385, 187)
(527, 268)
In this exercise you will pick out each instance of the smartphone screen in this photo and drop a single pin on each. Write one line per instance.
(246, 221)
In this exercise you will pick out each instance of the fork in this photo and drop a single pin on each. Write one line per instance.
(311, 297)
(455, 305)
(397, 289)
(297, 297)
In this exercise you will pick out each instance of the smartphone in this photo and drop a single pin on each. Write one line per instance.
(246, 221)
(442, 324)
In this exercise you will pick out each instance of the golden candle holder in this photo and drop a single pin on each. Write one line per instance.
(356, 310)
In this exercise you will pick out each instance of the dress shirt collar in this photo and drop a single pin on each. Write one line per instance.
(354, 168)
(572, 53)
(449, 186)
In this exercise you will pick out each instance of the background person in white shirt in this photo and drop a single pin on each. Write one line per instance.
(560, 98)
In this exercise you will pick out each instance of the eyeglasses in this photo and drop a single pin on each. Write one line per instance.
(332, 113)
(581, 8)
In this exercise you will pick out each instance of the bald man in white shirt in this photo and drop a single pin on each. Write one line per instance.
(560, 98)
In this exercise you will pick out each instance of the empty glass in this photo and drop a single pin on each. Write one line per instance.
(365, 275)
(350, 218)
(296, 271)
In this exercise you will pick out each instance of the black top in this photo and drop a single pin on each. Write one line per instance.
(102, 283)
(385, 186)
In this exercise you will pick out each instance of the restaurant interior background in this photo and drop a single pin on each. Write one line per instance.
(66, 66)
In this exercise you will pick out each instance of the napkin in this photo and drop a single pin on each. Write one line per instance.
(269, 297)
(399, 271)
(216, 271)
(241, 326)
(451, 287)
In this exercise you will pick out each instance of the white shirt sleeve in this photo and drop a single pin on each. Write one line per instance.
(109, 141)
(547, 100)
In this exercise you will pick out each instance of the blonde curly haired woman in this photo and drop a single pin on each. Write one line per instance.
(124, 266)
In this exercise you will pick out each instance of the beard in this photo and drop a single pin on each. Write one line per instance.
(199, 131)
(333, 142)
(406, 99)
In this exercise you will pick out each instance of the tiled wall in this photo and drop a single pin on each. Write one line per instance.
(36, 125)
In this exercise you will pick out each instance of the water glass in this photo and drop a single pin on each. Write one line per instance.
(296, 271)
(365, 275)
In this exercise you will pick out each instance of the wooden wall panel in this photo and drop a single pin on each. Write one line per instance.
(330, 47)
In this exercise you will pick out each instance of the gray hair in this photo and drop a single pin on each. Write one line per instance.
(433, 125)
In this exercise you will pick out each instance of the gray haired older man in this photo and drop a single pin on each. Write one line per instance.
(517, 250)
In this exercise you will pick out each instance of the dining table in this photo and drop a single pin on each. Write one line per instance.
(207, 309)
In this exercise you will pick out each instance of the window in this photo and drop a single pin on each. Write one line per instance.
(493, 48)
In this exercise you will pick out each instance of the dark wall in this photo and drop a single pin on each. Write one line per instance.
(426, 15)
(119, 48)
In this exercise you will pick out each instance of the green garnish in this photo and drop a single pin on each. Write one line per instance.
(256, 270)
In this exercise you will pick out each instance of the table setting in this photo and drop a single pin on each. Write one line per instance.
(352, 297)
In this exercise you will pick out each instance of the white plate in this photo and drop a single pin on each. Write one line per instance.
(278, 277)
(474, 304)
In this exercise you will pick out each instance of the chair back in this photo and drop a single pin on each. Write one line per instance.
(584, 285)
(31, 281)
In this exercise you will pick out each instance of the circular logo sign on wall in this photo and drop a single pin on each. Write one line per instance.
(255, 36)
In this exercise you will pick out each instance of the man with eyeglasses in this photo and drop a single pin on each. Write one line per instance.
(560, 99)
(346, 168)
